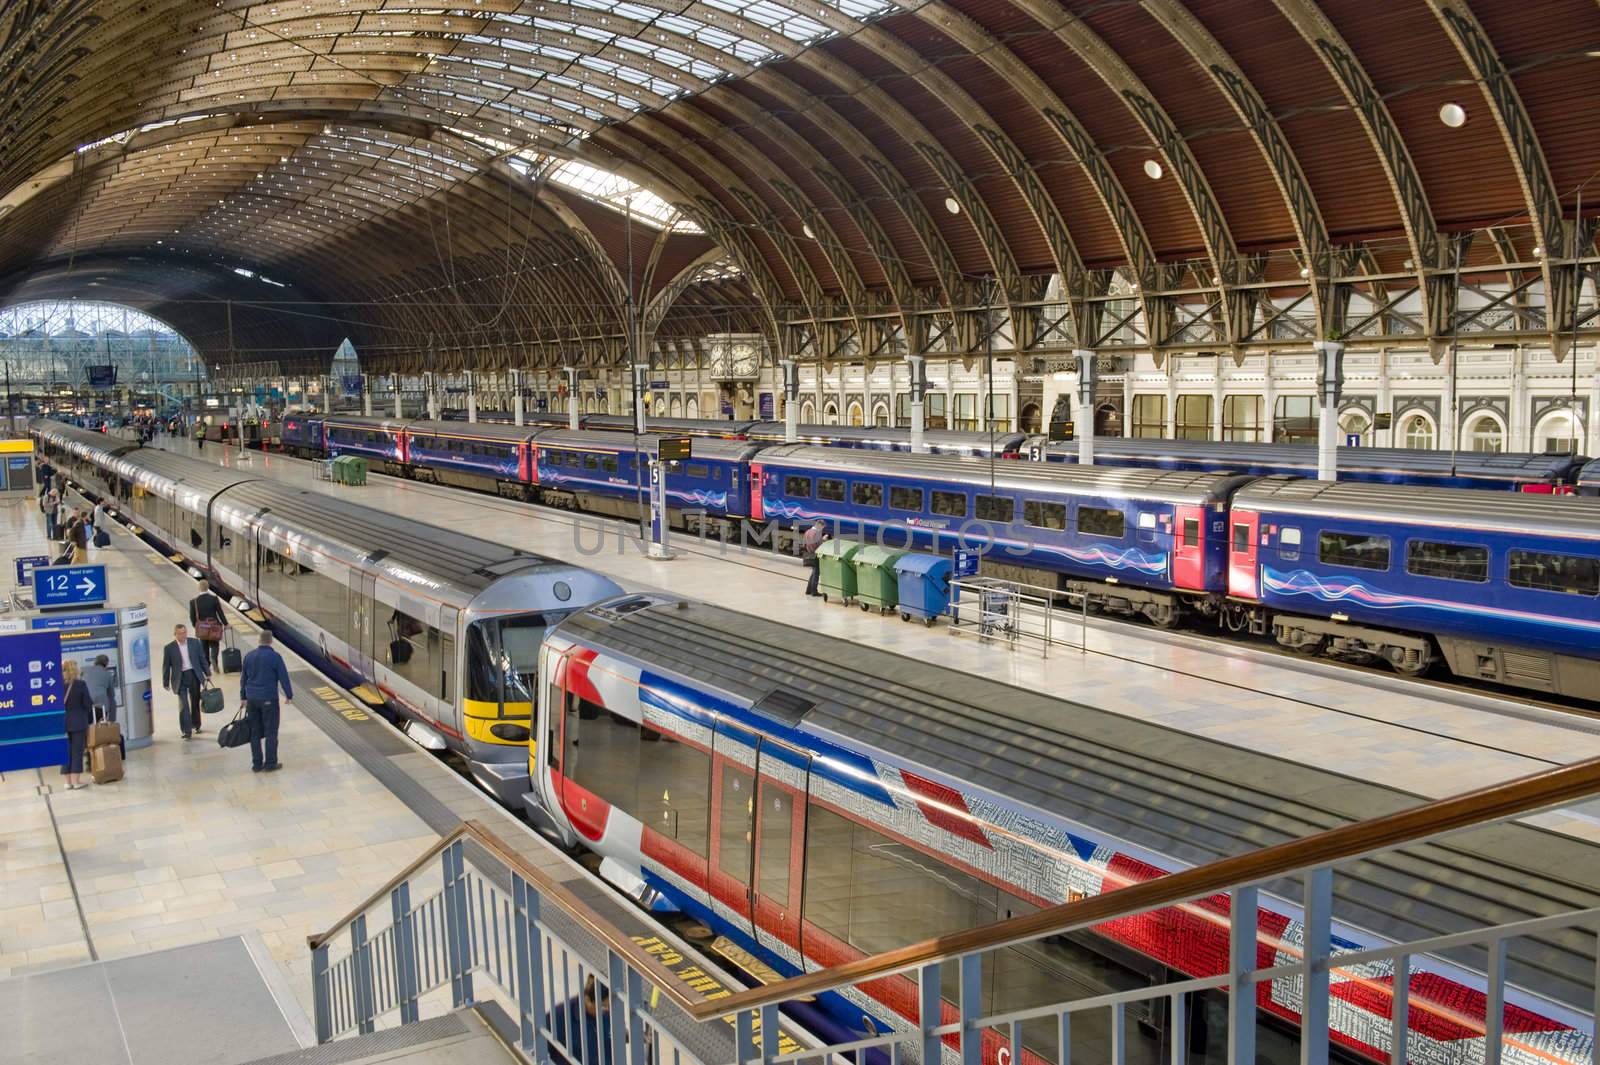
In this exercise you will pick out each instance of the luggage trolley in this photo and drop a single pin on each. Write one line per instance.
(995, 614)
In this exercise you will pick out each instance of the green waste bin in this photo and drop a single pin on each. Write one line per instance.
(337, 470)
(836, 578)
(355, 470)
(877, 585)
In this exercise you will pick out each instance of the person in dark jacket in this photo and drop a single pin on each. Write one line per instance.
(206, 607)
(260, 677)
(184, 672)
(78, 537)
(80, 715)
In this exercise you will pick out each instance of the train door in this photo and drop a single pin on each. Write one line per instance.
(782, 778)
(1188, 548)
(362, 608)
(1242, 540)
(733, 801)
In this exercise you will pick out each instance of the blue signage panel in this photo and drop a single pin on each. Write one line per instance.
(26, 564)
(967, 563)
(766, 406)
(100, 619)
(1352, 439)
(57, 586)
(33, 731)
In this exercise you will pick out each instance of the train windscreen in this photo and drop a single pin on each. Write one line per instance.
(503, 659)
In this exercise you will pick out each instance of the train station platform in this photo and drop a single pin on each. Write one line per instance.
(1424, 738)
(189, 887)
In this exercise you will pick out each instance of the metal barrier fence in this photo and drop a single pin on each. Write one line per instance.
(992, 608)
(480, 942)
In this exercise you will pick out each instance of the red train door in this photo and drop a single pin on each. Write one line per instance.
(783, 775)
(733, 805)
(1242, 541)
(756, 477)
(1189, 548)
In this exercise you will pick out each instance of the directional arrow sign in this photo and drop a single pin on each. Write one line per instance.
(32, 733)
(69, 586)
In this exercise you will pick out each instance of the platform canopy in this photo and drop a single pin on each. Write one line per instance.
(502, 182)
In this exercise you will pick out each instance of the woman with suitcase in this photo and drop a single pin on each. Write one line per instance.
(80, 715)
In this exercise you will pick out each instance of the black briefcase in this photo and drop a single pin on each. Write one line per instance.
(235, 733)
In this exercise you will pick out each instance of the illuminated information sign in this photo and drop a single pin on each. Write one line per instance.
(33, 731)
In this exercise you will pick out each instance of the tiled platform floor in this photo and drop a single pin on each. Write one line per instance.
(190, 846)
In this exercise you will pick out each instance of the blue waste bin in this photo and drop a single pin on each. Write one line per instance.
(924, 586)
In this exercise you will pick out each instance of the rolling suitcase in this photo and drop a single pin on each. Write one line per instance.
(232, 661)
(105, 764)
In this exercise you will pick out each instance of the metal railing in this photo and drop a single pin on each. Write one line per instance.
(574, 1011)
(996, 609)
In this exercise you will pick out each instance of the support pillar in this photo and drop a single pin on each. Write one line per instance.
(1331, 381)
(791, 401)
(918, 365)
(472, 397)
(1085, 426)
(366, 396)
(519, 413)
(430, 385)
(399, 411)
(657, 546)
(573, 414)
(641, 381)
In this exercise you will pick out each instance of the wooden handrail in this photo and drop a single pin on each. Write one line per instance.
(1415, 824)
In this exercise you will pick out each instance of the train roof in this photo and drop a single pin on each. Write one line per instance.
(64, 434)
(701, 447)
(696, 426)
(1189, 798)
(468, 430)
(1192, 487)
(1464, 509)
(466, 562)
(1468, 464)
(943, 438)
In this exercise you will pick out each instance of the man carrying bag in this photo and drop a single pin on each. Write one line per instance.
(184, 672)
(205, 614)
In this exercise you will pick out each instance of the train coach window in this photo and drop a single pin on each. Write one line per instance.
(1042, 515)
(1456, 562)
(1191, 532)
(1241, 538)
(905, 498)
(591, 462)
(776, 833)
(609, 464)
(999, 509)
(1572, 574)
(866, 494)
(950, 504)
(797, 487)
(697, 469)
(830, 490)
(1356, 550)
(1289, 543)
(1101, 521)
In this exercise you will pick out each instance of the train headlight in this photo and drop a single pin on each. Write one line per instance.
(509, 732)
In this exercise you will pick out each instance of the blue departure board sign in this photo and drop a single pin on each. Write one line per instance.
(58, 586)
(25, 565)
(33, 731)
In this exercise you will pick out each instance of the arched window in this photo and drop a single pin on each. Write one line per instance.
(880, 414)
(1031, 417)
(1557, 433)
(855, 414)
(830, 413)
(1417, 431)
(691, 407)
(1484, 432)
(1354, 422)
(808, 411)
(675, 408)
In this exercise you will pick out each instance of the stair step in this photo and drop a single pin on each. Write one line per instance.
(460, 1038)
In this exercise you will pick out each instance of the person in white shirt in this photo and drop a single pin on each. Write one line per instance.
(184, 671)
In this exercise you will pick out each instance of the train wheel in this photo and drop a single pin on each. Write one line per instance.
(1311, 649)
